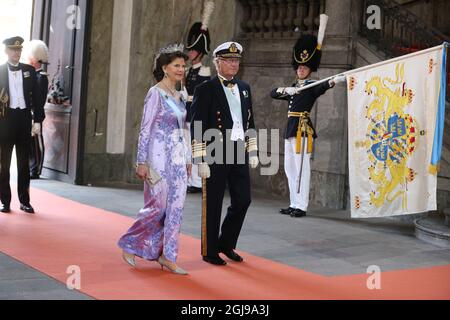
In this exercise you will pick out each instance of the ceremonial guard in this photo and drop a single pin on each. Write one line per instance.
(300, 132)
(223, 107)
(19, 96)
(37, 56)
(198, 46)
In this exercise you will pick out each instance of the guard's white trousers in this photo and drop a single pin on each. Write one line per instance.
(292, 163)
(195, 180)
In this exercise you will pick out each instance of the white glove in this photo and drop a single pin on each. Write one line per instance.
(339, 79)
(291, 91)
(184, 93)
(36, 129)
(203, 171)
(254, 162)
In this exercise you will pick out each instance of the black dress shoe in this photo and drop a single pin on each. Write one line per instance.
(194, 190)
(298, 213)
(6, 209)
(218, 261)
(287, 211)
(27, 208)
(231, 254)
(34, 177)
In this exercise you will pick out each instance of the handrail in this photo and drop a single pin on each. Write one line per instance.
(401, 31)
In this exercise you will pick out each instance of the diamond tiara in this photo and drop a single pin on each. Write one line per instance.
(172, 48)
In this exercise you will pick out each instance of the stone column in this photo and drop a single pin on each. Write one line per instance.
(118, 82)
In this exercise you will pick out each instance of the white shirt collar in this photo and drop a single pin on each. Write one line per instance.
(13, 65)
(223, 78)
(197, 65)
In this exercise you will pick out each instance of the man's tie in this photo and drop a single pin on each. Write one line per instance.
(229, 83)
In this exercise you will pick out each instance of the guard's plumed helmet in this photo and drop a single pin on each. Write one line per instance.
(308, 48)
(198, 38)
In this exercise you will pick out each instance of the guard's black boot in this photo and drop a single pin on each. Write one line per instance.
(287, 211)
(298, 213)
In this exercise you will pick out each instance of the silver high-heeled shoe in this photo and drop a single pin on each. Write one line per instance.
(129, 258)
(177, 270)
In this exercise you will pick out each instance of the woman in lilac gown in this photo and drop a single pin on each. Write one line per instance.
(164, 152)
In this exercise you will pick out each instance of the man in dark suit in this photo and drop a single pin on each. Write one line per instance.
(223, 106)
(19, 95)
(37, 56)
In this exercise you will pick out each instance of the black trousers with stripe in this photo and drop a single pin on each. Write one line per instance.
(19, 136)
(237, 177)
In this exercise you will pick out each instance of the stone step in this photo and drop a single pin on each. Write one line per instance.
(446, 154)
(447, 216)
(433, 230)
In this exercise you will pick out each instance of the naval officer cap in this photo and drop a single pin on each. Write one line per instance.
(14, 43)
(229, 50)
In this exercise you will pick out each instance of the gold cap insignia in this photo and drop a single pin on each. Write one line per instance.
(304, 55)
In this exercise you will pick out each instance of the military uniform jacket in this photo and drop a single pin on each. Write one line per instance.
(195, 77)
(210, 107)
(302, 102)
(42, 81)
(31, 91)
(31, 95)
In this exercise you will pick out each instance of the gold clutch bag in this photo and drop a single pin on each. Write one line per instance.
(153, 177)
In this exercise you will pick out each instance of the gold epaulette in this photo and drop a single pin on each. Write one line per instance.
(198, 149)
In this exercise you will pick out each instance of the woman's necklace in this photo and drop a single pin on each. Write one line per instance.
(171, 91)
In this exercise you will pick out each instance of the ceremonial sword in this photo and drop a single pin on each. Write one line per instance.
(302, 156)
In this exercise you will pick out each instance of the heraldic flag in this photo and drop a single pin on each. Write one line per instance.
(396, 124)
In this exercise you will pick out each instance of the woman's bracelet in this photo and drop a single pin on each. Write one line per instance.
(142, 164)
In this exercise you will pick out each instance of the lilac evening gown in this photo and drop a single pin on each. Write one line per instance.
(163, 144)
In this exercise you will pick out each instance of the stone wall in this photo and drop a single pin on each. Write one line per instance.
(154, 24)
(98, 90)
(151, 32)
(266, 65)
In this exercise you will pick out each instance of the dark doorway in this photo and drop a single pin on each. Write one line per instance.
(63, 25)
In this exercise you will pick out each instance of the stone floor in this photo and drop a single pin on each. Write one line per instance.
(327, 242)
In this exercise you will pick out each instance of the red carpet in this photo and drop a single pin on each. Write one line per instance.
(65, 233)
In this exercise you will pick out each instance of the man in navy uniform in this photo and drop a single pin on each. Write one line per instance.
(224, 104)
(198, 46)
(19, 95)
(300, 132)
(37, 57)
